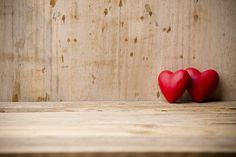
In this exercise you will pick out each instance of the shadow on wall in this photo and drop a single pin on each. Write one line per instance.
(218, 93)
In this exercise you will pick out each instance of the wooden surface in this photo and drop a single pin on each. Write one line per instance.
(118, 128)
(70, 50)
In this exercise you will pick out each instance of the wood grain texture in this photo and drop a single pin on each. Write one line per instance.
(119, 154)
(118, 128)
(70, 50)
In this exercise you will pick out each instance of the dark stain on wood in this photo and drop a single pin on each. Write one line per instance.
(194, 57)
(63, 18)
(195, 17)
(122, 23)
(131, 54)
(75, 40)
(168, 30)
(93, 78)
(126, 39)
(15, 98)
(59, 41)
(145, 58)
(120, 3)
(62, 59)
(181, 56)
(233, 108)
(148, 9)
(141, 18)
(53, 3)
(68, 40)
(163, 110)
(135, 40)
(45, 98)
(20, 43)
(2, 111)
(43, 70)
(105, 11)
(16, 92)
(103, 28)
(150, 13)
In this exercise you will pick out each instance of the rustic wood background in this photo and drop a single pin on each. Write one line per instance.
(68, 50)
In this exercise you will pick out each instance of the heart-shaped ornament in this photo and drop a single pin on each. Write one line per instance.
(173, 85)
(202, 84)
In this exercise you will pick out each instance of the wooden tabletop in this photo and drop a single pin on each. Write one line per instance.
(117, 128)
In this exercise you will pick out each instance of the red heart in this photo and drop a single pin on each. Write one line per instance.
(202, 84)
(172, 84)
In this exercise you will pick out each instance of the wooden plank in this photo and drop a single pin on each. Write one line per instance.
(72, 50)
(124, 154)
(85, 42)
(25, 50)
(96, 128)
(120, 106)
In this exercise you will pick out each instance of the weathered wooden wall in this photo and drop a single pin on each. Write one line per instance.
(62, 50)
